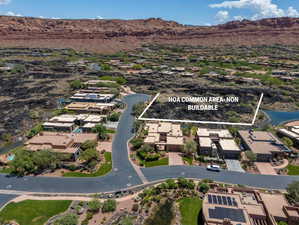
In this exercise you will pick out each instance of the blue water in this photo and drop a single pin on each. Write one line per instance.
(78, 130)
(11, 157)
(278, 118)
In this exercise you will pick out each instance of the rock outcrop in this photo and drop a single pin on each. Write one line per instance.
(114, 35)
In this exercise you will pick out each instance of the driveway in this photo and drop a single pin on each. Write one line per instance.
(265, 168)
(234, 165)
(175, 159)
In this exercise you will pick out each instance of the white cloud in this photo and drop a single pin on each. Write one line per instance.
(222, 16)
(239, 18)
(262, 8)
(12, 14)
(99, 18)
(4, 2)
(292, 12)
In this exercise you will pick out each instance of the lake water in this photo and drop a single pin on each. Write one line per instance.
(281, 117)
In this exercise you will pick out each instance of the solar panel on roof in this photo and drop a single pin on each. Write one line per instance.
(236, 215)
(219, 200)
(210, 199)
(229, 201)
(224, 200)
(214, 199)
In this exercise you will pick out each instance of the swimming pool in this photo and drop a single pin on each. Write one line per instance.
(78, 130)
(10, 157)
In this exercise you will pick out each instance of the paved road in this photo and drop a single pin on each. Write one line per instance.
(124, 175)
(254, 180)
(5, 198)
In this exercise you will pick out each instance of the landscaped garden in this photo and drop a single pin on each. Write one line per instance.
(163, 214)
(162, 201)
(91, 162)
(104, 168)
(147, 156)
(33, 212)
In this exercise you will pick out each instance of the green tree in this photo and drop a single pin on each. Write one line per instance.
(101, 131)
(171, 184)
(137, 143)
(194, 130)
(109, 206)
(288, 142)
(185, 183)
(68, 219)
(76, 84)
(137, 67)
(44, 160)
(293, 190)
(251, 156)
(89, 155)
(114, 117)
(190, 147)
(147, 148)
(35, 130)
(121, 80)
(94, 205)
(33, 162)
(22, 163)
(88, 144)
(233, 131)
(106, 67)
(204, 188)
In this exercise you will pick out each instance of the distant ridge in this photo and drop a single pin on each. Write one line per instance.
(108, 36)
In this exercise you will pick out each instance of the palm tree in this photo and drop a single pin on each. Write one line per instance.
(190, 148)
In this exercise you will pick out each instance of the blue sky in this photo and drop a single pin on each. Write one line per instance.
(195, 12)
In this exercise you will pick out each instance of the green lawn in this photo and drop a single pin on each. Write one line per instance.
(190, 208)
(104, 169)
(33, 212)
(160, 162)
(293, 170)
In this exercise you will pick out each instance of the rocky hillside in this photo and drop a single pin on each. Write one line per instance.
(109, 36)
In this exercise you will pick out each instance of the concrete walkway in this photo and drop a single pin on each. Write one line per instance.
(283, 165)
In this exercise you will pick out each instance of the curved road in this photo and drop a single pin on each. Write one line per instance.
(124, 175)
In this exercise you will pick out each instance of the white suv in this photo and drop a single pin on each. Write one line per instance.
(215, 168)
